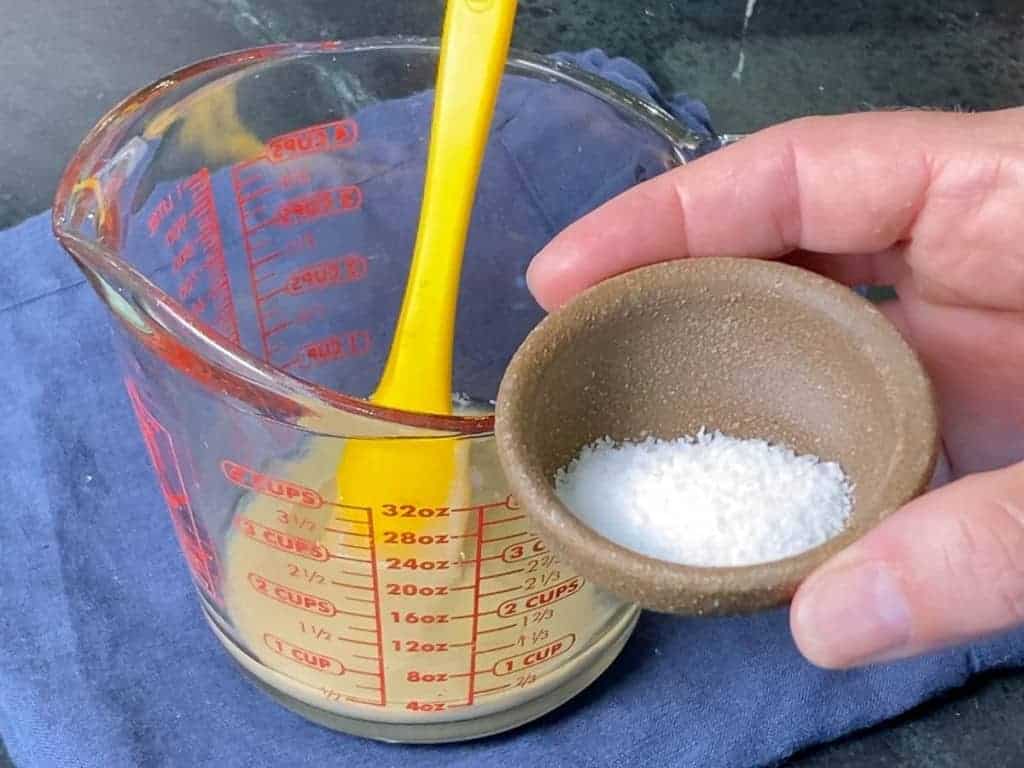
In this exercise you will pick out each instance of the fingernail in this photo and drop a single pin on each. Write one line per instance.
(545, 278)
(852, 615)
(531, 275)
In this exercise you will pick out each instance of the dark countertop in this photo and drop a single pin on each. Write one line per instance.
(67, 61)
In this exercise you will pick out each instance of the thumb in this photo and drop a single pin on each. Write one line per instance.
(946, 568)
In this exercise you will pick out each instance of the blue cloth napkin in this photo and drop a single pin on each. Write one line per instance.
(106, 661)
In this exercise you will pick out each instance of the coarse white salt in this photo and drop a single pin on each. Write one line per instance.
(709, 500)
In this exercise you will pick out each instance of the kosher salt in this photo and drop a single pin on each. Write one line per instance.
(706, 500)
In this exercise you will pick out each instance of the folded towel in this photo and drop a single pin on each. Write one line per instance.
(108, 663)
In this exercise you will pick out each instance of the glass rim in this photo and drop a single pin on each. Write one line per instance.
(232, 360)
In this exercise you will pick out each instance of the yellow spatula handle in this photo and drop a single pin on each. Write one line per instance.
(418, 373)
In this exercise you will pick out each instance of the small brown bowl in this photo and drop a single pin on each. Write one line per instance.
(756, 349)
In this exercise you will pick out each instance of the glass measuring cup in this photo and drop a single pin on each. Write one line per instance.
(249, 221)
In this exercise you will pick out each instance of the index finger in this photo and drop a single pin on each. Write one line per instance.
(850, 184)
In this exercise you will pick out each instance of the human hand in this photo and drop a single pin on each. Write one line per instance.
(927, 202)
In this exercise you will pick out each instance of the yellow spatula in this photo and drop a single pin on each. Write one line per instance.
(418, 372)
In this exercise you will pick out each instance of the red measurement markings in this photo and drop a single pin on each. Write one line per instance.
(339, 347)
(484, 651)
(349, 585)
(282, 541)
(416, 564)
(495, 689)
(358, 616)
(506, 538)
(503, 573)
(292, 517)
(250, 184)
(348, 520)
(339, 270)
(507, 503)
(514, 553)
(355, 546)
(356, 573)
(502, 628)
(476, 602)
(501, 591)
(357, 700)
(295, 177)
(411, 510)
(316, 631)
(411, 537)
(268, 485)
(511, 519)
(292, 597)
(544, 597)
(357, 642)
(303, 242)
(319, 661)
(309, 313)
(376, 613)
(312, 140)
(412, 617)
(426, 706)
(418, 646)
(209, 245)
(417, 590)
(497, 648)
(315, 206)
(176, 230)
(198, 254)
(252, 181)
(183, 257)
(199, 552)
(336, 696)
(159, 214)
(349, 559)
(416, 676)
(533, 657)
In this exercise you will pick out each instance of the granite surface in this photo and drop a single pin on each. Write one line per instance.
(67, 61)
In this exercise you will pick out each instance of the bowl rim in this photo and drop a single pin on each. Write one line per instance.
(675, 587)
